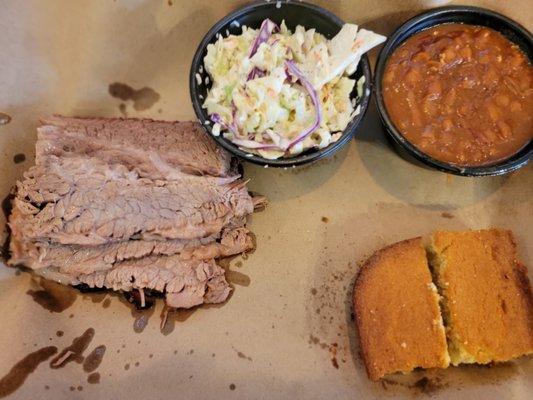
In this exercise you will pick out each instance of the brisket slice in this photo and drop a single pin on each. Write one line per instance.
(185, 283)
(78, 259)
(84, 201)
(182, 146)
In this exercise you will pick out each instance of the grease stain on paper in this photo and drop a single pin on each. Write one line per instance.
(94, 359)
(143, 99)
(16, 377)
(4, 118)
(53, 296)
(19, 158)
(74, 352)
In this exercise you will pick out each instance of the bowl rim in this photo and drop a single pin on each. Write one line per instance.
(509, 164)
(301, 159)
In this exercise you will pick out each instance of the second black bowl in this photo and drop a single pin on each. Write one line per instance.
(452, 14)
(294, 13)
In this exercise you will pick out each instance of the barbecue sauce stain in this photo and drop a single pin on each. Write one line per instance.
(6, 208)
(240, 354)
(93, 378)
(168, 321)
(106, 303)
(140, 323)
(74, 352)
(94, 359)
(143, 98)
(95, 297)
(237, 278)
(141, 316)
(19, 158)
(122, 109)
(21, 370)
(53, 296)
(4, 118)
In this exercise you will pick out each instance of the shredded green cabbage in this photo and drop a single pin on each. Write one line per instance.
(272, 102)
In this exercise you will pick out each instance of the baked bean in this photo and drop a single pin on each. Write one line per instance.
(466, 52)
(451, 90)
(504, 129)
(413, 76)
(494, 112)
(449, 99)
(502, 100)
(447, 124)
(421, 56)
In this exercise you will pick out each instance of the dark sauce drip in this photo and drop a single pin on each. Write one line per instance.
(141, 315)
(74, 352)
(94, 359)
(94, 378)
(21, 370)
(143, 98)
(7, 206)
(53, 296)
(134, 297)
(237, 278)
(106, 303)
(19, 158)
(4, 118)
(169, 316)
(96, 297)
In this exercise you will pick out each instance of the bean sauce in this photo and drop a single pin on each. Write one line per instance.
(462, 94)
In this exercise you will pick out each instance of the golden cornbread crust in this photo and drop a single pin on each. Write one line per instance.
(488, 304)
(397, 312)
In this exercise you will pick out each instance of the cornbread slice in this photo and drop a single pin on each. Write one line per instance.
(397, 312)
(487, 300)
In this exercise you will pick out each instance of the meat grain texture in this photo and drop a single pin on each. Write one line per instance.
(130, 204)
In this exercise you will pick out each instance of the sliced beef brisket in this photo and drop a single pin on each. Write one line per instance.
(131, 204)
(84, 201)
(183, 146)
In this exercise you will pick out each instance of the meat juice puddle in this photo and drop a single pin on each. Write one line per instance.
(16, 377)
(6, 209)
(75, 351)
(53, 296)
(143, 99)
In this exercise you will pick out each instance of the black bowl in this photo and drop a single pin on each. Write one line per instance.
(294, 13)
(453, 14)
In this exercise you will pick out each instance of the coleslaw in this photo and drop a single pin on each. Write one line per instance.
(276, 93)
